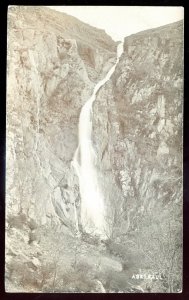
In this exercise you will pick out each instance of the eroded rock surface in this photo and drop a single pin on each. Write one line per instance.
(54, 61)
(137, 132)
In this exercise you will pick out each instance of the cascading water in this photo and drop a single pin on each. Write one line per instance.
(93, 214)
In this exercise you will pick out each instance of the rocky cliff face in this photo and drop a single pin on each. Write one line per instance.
(138, 137)
(53, 63)
(138, 119)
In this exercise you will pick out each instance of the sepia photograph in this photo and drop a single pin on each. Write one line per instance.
(94, 149)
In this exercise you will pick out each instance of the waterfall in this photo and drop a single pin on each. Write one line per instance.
(93, 212)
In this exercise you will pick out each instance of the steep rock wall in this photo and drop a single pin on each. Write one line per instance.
(53, 63)
(137, 134)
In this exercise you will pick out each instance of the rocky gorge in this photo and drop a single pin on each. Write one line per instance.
(54, 61)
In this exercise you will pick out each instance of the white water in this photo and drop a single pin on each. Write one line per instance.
(93, 212)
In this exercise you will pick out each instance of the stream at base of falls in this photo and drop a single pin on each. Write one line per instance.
(92, 210)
